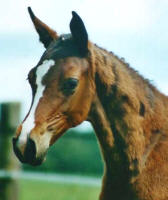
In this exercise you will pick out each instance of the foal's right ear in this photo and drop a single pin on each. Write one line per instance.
(46, 34)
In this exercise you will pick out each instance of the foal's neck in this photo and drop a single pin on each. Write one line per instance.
(105, 112)
(117, 177)
(108, 71)
(124, 114)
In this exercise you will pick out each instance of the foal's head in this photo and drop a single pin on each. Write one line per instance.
(62, 90)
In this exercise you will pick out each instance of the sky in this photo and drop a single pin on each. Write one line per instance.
(134, 29)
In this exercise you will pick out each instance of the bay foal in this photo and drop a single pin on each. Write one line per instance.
(76, 80)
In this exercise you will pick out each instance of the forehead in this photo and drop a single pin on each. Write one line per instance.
(62, 52)
(63, 47)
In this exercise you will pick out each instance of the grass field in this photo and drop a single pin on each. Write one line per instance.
(39, 190)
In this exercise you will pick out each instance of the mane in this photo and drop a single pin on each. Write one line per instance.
(133, 73)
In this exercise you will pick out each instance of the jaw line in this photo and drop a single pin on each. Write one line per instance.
(56, 136)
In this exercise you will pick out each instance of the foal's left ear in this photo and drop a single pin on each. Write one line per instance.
(47, 35)
(79, 33)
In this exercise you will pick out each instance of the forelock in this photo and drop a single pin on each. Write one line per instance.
(63, 47)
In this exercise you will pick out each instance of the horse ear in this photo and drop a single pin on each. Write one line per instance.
(79, 33)
(46, 34)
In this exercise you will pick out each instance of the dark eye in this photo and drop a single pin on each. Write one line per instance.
(69, 86)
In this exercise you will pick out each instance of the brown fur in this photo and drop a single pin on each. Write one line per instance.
(45, 32)
(134, 147)
(129, 115)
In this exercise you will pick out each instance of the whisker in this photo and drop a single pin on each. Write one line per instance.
(56, 124)
(55, 121)
(54, 117)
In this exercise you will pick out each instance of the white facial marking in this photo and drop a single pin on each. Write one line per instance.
(29, 124)
(43, 143)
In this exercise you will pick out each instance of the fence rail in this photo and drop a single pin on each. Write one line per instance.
(52, 177)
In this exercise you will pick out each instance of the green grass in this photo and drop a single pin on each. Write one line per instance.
(39, 190)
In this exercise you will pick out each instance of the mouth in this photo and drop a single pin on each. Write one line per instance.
(32, 148)
(29, 155)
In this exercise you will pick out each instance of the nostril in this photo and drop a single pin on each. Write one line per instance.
(14, 140)
(16, 150)
(30, 151)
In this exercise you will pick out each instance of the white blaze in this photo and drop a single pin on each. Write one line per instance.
(29, 124)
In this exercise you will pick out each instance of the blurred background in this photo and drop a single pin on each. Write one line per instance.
(132, 29)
